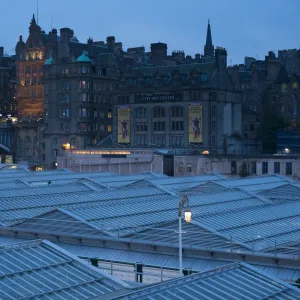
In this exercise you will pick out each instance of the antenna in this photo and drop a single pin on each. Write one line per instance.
(37, 11)
(51, 23)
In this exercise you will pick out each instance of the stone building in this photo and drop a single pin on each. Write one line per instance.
(179, 101)
(79, 81)
(7, 104)
(290, 58)
(7, 84)
(30, 58)
(160, 105)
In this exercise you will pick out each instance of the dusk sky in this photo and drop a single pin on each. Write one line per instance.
(243, 27)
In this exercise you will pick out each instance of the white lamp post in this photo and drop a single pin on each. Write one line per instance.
(187, 216)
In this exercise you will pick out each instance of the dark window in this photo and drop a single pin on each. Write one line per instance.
(177, 125)
(276, 167)
(213, 125)
(189, 167)
(213, 141)
(141, 126)
(159, 112)
(141, 140)
(253, 167)
(177, 112)
(251, 127)
(158, 126)
(288, 168)
(213, 111)
(265, 167)
(213, 96)
(141, 112)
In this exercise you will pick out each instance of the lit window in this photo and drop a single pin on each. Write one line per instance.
(295, 85)
(181, 167)
(82, 84)
(109, 128)
(109, 114)
(283, 87)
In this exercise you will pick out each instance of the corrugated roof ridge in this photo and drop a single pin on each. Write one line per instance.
(82, 262)
(226, 237)
(257, 196)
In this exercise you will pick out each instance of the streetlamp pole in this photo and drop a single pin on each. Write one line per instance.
(187, 216)
(180, 247)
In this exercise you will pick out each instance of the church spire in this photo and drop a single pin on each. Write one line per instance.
(209, 47)
(33, 19)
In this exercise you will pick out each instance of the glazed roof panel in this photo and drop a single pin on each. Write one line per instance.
(41, 270)
(236, 281)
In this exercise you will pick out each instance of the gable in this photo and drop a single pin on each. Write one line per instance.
(206, 188)
(287, 191)
(58, 222)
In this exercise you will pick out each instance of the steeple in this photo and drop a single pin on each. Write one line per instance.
(208, 47)
(33, 20)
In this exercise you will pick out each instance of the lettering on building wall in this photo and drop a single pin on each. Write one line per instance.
(195, 123)
(123, 124)
(155, 98)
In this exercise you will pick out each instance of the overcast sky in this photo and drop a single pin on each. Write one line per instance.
(243, 27)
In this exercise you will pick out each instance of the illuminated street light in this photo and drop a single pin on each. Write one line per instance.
(187, 217)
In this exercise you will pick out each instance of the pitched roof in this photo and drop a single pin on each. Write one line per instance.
(208, 68)
(282, 76)
(236, 281)
(83, 57)
(42, 270)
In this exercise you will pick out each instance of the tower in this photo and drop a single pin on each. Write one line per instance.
(208, 47)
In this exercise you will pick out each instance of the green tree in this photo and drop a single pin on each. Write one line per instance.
(244, 170)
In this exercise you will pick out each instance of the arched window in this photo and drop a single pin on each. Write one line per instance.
(159, 112)
(54, 141)
(141, 112)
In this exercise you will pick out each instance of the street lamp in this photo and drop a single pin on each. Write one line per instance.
(187, 217)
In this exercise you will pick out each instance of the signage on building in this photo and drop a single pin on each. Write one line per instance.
(159, 98)
(195, 123)
(123, 124)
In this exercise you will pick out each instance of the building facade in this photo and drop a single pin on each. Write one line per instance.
(185, 105)
(270, 91)
(30, 58)
(176, 163)
(7, 105)
(79, 81)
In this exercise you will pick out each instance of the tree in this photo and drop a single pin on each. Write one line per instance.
(271, 123)
(244, 170)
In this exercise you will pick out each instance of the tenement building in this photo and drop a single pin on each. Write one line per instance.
(79, 81)
(30, 58)
(270, 97)
(179, 105)
(7, 103)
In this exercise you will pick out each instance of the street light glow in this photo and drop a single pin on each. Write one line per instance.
(188, 215)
